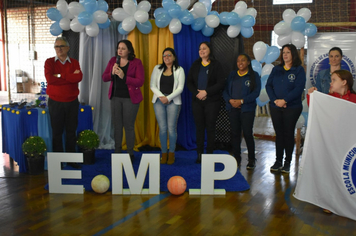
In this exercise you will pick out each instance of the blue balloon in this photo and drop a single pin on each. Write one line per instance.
(174, 10)
(233, 18)
(310, 30)
(256, 66)
(272, 54)
(261, 104)
(298, 23)
(105, 25)
(198, 24)
(247, 32)
(223, 16)
(248, 21)
(54, 14)
(264, 81)
(55, 29)
(207, 31)
(85, 18)
(305, 115)
(187, 18)
(162, 20)
(102, 5)
(90, 6)
(145, 27)
(121, 30)
(159, 11)
(167, 3)
(214, 13)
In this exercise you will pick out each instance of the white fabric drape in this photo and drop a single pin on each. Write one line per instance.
(94, 55)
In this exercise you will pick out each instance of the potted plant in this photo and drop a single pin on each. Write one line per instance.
(88, 141)
(34, 149)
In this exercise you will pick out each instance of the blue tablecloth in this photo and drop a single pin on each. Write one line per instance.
(19, 124)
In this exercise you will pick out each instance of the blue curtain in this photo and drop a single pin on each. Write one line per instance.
(186, 45)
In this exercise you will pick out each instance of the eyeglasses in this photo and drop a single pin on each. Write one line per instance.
(167, 55)
(60, 46)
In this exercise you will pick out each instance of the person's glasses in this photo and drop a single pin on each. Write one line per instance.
(59, 46)
(167, 55)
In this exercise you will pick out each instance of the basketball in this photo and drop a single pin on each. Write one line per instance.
(100, 184)
(176, 185)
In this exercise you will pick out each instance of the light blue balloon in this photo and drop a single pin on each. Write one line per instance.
(261, 104)
(248, 21)
(85, 18)
(167, 3)
(256, 66)
(198, 24)
(121, 30)
(214, 13)
(105, 25)
(174, 10)
(233, 18)
(159, 11)
(264, 81)
(145, 27)
(90, 6)
(207, 31)
(310, 30)
(272, 54)
(246, 32)
(55, 29)
(162, 20)
(223, 16)
(298, 23)
(54, 14)
(305, 115)
(102, 5)
(187, 18)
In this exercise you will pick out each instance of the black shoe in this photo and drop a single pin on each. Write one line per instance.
(286, 167)
(74, 165)
(198, 161)
(251, 164)
(277, 166)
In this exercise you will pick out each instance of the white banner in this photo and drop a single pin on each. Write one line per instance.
(327, 171)
(318, 53)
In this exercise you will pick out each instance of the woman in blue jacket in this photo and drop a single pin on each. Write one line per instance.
(242, 88)
(284, 87)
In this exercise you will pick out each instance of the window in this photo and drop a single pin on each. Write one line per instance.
(278, 2)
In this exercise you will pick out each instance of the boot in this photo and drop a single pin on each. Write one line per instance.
(171, 158)
(164, 158)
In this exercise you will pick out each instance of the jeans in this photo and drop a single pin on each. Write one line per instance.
(167, 118)
(284, 121)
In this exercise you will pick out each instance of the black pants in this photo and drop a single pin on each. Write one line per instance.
(284, 121)
(242, 122)
(64, 117)
(205, 115)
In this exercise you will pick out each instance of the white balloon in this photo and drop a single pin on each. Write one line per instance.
(92, 30)
(282, 28)
(300, 122)
(233, 30)
(200, 9)
(194, 14)
(263, 96)
(62, 7)
(184, 4)
(129, 23)
(212, 21)
(251, 11)
(284, 39)
(305, 13)
(288, 15)
(259, 50)
(64, 23)
(144, 6)
(129, 7)
(141, 16)
(298, 39)
(75, 26)
(175, 26)
(119, 14)
(266, 69)
(69, 15)
(75, 8)
(100, 16)
(240, 8)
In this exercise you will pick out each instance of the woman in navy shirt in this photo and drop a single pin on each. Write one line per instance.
(284, 87)
(241, 90)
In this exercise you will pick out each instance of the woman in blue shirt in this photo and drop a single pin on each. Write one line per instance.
(241, 90)
(284, 87)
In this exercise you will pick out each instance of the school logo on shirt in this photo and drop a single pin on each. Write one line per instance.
(291, 77)
(348, 172)
(247, 83)
(207, 71)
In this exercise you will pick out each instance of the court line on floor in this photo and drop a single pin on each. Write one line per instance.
(150, 202)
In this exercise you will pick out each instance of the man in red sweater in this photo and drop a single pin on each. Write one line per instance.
(63, 75)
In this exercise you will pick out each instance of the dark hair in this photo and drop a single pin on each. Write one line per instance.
(295, 55)
(129, 46)
(175, 62)
(251, 71)
(346, 75)
(336, 49)
(211, 55)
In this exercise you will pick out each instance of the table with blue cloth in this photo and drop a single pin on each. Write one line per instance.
(19, 124)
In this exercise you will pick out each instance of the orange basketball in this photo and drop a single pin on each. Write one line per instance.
(176, 185)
